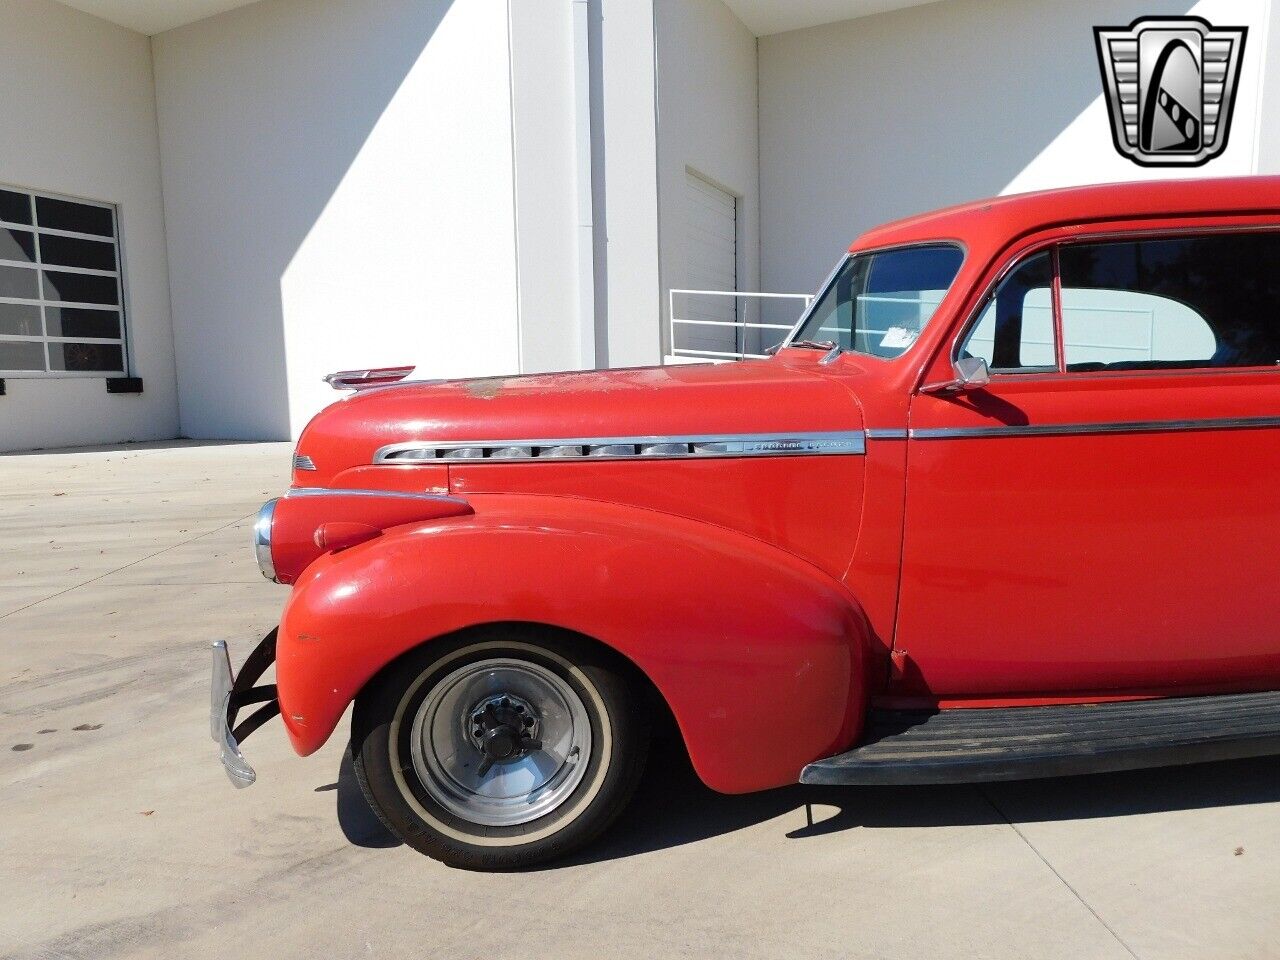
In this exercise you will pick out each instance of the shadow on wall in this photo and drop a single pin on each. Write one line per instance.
(262, 112)
(879, 118)
(673, 808)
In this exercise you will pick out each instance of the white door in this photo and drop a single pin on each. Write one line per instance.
(711, 242)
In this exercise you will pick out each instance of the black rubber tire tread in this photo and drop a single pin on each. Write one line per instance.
(371, 754)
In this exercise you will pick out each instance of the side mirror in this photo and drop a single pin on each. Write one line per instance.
(971, 373)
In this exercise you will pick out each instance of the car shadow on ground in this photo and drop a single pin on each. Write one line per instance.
(672, 807)
(360, 825)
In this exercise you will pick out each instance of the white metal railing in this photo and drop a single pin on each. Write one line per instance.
(679, 354)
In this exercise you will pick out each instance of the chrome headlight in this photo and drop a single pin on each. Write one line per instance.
(262, 539)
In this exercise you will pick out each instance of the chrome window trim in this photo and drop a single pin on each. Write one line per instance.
(696, 447)
(1082, 429)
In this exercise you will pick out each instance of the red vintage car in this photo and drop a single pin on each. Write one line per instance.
(1003, 505)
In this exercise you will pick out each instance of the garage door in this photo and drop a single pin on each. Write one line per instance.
(711, 226)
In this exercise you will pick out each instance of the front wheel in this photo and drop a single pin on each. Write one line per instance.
(500, 749)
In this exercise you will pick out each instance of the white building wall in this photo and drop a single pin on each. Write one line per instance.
(546, 127)
(707, 124)
(1268, 46)
(78, 118)
(339, 191)
(873, 119)
(627, 121)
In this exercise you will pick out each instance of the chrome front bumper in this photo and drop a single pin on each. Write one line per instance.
(228, 693)
(238, 768)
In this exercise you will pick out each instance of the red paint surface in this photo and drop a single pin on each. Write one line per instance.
(299, 519)
(758, 653)
(763, 597)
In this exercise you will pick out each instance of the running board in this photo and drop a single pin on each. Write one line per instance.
(1023, 743)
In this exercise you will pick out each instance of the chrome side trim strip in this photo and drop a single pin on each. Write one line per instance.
(886, 434)
(1084, 429)
(357, 492)
(692, 447)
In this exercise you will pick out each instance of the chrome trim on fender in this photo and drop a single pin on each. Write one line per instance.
(302, 462)
(262, 539)
(361, 492)
(1084, 429)
(700, 446)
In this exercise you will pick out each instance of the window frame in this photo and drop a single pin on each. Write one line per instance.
(120, 308)
(993, 290)
(1054, 244)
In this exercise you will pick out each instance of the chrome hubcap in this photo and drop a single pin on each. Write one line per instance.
(501, 742)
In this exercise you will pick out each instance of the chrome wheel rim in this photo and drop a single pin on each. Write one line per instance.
(491, 701)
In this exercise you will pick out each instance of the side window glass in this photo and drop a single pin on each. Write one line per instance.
(1117, 328)
(903, 289)
(1014, 332)
(1174, 303)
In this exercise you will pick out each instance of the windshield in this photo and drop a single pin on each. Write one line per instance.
(879, 302)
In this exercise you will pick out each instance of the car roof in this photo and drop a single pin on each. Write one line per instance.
(1011, 216)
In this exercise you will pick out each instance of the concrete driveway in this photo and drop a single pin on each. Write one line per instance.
(121, 836)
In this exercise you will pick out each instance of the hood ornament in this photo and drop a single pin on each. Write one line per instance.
(364, 379)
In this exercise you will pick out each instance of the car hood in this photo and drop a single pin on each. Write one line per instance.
(753, 397)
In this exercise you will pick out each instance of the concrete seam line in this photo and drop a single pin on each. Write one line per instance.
(1074, 892)
(131, 563)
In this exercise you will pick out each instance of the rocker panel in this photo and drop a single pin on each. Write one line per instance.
(1022, 743)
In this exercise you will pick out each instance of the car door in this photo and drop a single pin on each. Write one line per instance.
(1104, 515)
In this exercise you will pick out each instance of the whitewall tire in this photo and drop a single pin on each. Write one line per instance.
(502, 747)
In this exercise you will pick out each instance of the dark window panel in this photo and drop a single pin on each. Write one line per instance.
(15, 207)
(19, 282)
(81, 322)
(80, 217)
(86, 357)
(20, 320)
(1212, 301)
(17, 245)
(74, 252)
(21, 355)
(80, 287)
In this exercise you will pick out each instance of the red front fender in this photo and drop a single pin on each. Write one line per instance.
(758, 654)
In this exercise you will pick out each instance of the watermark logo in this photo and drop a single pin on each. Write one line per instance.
(1170, 85)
